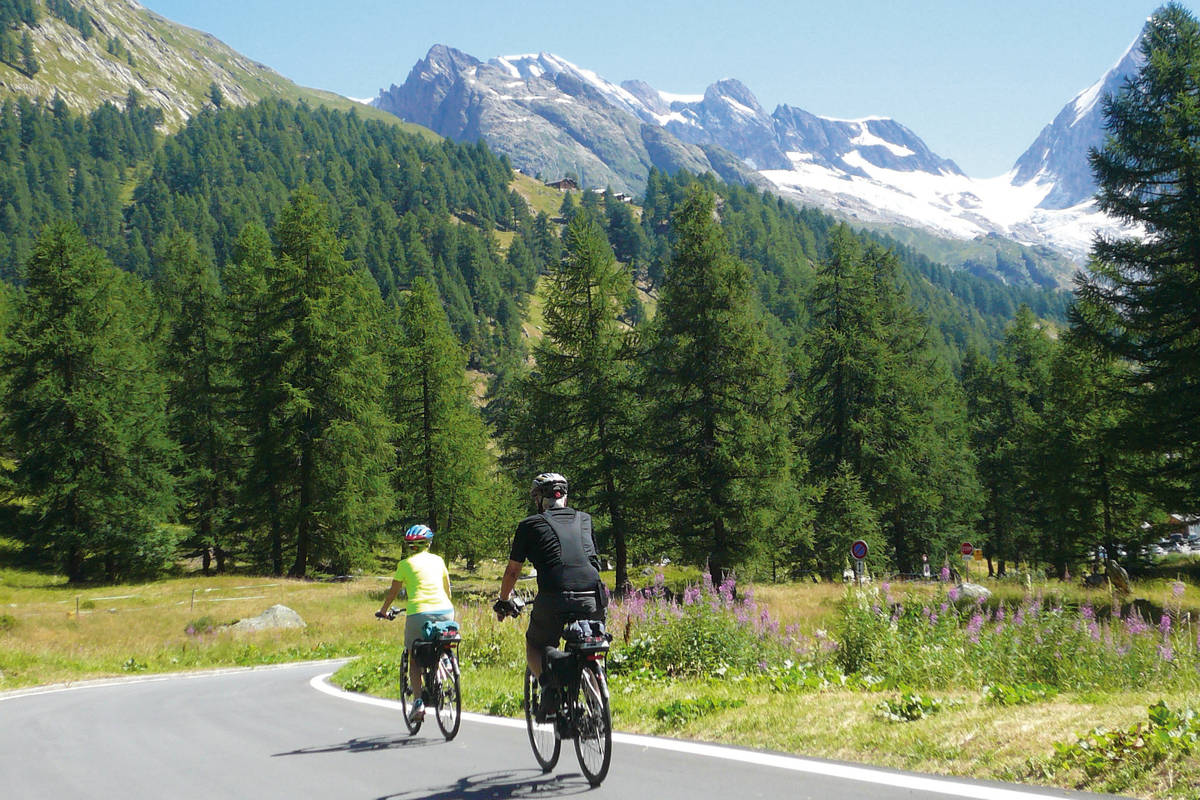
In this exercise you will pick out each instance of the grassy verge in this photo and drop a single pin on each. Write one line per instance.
(713, 672)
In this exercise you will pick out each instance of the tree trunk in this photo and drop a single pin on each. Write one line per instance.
(307, 500)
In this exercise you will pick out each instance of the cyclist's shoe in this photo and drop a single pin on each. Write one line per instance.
(417, 713)
(547, 705)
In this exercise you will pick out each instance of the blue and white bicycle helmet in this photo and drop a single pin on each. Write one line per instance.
(418, 533)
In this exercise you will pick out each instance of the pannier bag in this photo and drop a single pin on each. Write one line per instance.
(446, 631)
(587, 635)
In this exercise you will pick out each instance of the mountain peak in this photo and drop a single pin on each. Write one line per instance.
(733, 90)
(1054, 159)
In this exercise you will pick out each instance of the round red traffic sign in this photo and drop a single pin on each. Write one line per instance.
(966, 548)
(859, 549)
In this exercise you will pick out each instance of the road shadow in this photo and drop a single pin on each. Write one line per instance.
(500, 786)
(368, 744)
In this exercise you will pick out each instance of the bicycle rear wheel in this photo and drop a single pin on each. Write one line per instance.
(592, 721)
(406, 696)
(543, 736)
(449, 701)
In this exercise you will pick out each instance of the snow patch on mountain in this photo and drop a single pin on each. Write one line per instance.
(871, 169)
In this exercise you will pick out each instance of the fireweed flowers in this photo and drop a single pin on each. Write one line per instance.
(942, 643)
(704, 630)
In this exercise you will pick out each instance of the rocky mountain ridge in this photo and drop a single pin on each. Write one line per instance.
(552, 117)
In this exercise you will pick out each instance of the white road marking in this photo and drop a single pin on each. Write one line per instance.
(56, 688)
(844, 771)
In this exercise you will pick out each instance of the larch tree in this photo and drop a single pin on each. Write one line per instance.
(1141, 299)
(443, 468)
(196, 362)
(85, 413)
(720, 416)
(583, 390)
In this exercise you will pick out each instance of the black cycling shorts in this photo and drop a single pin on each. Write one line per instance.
(552, 611)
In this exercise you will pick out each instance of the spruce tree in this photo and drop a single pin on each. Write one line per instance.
(1141, 300)
(716, 389)
(844, 514)
(1087, 486)
(29, 64)
(85, 414)
(1006, 401)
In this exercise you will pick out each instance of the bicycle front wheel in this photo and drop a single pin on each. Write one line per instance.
(592, 721)
(406, 696)
(543, 736)
(449, 701)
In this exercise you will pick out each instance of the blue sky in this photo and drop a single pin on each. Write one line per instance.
(975, 80)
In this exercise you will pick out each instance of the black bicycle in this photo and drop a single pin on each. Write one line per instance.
(581, 702)
(438, 658)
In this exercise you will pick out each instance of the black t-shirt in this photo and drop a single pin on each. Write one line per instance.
(565, 559)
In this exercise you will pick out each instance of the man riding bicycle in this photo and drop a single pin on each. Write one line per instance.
(558, 542)
(426, 582)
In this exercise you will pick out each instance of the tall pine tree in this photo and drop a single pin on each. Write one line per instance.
(85, 413)
(584, 397)
(443, 470)
(1141, 300)
(196, 360)
(716, 386)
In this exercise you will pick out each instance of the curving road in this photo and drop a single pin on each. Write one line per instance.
(283, 732)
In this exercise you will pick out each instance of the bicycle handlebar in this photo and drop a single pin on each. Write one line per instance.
(508, 608)
(389, 616)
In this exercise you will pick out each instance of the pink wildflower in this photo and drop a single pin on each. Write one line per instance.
(974, 626)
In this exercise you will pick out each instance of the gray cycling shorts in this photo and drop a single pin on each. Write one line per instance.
(552, 611)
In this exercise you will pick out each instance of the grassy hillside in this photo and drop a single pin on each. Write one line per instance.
(128, 47)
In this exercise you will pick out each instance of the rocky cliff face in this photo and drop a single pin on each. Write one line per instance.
(550, 117)
(1058, 157)
(132, 48)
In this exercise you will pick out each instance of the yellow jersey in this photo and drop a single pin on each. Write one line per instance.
(426, 582)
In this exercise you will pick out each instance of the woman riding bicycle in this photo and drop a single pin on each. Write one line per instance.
(558, 542)
(426, 583)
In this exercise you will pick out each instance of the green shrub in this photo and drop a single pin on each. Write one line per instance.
(1113, 757)
(372, 674)
(205, 624)
(510, 704)
(910, 706)
(7, 622)
(1019, 695)
(133, 665)
(679, 712)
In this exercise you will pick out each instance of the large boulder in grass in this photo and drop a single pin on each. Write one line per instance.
(274, 618)
(971, 593)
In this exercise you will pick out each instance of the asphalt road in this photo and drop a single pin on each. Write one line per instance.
(285, 733)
